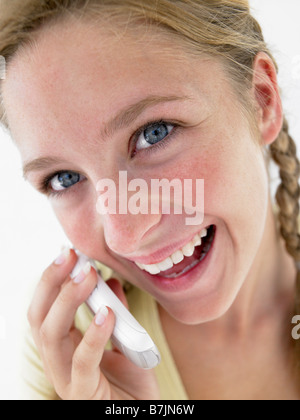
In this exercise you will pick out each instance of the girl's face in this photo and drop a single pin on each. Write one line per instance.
(84, 104)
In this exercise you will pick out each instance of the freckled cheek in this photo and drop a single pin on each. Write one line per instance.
(224, 181)
(235, 187)
(208, 168)
(83, 227)
(216, 185)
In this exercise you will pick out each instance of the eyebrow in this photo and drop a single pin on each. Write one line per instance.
(123, 119)
(40, 164)
(128, 115)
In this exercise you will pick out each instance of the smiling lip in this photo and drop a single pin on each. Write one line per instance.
(187, 279)
(162, 254)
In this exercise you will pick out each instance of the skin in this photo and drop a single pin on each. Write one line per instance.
(239, 310)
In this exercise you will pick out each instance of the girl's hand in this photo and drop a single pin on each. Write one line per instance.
(78, 366)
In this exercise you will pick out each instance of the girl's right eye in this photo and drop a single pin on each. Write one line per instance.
(64, 180)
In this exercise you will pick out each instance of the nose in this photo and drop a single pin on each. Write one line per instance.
(126, 215)
(126, 234)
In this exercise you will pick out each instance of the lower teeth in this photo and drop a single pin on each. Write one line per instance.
(186, 269)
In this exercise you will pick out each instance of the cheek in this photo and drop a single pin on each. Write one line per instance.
(235, 180)
(82, 225)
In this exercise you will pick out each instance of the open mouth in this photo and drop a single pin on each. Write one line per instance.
(184, 260)
(189, 263)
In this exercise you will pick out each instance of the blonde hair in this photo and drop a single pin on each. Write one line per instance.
(222, 28)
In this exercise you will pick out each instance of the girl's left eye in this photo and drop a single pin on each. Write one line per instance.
(153, 134)
(65, 180)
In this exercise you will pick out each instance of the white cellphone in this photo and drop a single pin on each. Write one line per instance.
(128, 335)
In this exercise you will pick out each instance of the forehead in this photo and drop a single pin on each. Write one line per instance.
(75, 72)
(75, 54)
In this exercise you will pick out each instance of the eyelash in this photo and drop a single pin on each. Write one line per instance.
(158, 146)
(45, 188)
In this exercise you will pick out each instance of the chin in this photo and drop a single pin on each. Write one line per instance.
(199, 311)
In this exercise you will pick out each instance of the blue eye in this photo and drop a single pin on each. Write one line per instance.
(153, 134)
(65, 180)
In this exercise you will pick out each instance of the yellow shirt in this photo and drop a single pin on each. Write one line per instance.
(144, 308)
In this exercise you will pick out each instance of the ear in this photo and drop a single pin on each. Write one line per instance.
(267, 99)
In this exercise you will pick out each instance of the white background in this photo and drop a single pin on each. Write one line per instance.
(30, 237)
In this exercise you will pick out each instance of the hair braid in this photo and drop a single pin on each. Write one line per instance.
(284, 153)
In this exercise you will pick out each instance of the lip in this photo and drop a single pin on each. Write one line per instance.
(185, 281)
(163, 253)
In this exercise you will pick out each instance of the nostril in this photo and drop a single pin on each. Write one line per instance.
(125, 235)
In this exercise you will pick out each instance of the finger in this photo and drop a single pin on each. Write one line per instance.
(61, 315)
(48, 289)
(86, 374)
(58, 337)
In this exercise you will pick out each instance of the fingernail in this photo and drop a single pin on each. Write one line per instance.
(83, 274)
(101, 316)
(63, 257)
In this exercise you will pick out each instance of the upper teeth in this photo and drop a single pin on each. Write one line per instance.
(176, 257)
